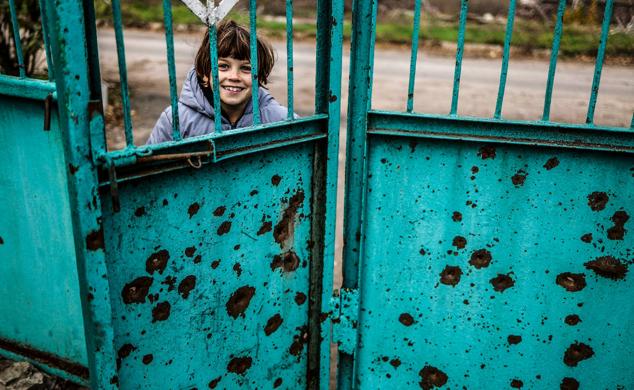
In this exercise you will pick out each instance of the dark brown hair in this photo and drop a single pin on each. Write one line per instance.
(233, 41)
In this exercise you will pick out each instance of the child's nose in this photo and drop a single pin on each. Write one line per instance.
(233, 73)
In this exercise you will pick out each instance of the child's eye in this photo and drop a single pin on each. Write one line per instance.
(245, 68)
(223, 66)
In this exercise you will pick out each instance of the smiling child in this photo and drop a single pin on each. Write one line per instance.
(195, 104)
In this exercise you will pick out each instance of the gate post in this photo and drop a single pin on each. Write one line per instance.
(359, 102)
(70, 57)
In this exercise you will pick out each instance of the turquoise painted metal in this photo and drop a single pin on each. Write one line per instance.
(478, 252)
(481, 252)
(230, 262)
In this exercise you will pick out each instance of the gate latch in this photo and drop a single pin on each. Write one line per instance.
(345, 315)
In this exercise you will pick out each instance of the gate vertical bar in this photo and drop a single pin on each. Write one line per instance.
(464, 8)
(505, 60)
(289, 58)
(327, 100)
(171, 67)
(360, 86)
(605, 29)
(45, 34)
(16, 38)
(215, 87)
(123, 73)
(414, 57)
(255, 85)
(554, 53)
(67, 26)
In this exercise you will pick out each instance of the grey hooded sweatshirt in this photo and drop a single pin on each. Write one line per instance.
(196, 114)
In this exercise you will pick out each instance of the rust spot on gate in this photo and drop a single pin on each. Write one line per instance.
(193, 209)
(214, 382)
(514, 339)
(157, 262)
(551, 163)
(577, 352)
(170, 282)
(272, 324)
(457, 216)
(459, 242)
(571, 282)
(125, 350)
(406, 319)
(266, 227)
(147, 359)
(285, 227)
(239, 365)
(224, 228)
(587, 238)
(487, 152)
(219, 211)
(161, 311)
(94, 240)
(395, 362)
(239, 301)
(517, 384)
(139, 212)
(277, 383)
(608, 267)
(572, 319)
(598, 200)
(450, 275)
(299, 340)
(137, 290)
(189, 251)
(502, 282)
(215, 264)
(275, 180)
(237, 268)
(569, 384)
(186, 286)
(288, 261)
(519, 178)
(617, 232)
(432, 377)
(480, 258)
(300, 298)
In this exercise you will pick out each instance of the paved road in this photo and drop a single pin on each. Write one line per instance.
(147, 70)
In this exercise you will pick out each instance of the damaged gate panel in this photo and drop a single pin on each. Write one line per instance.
(41, 318)
(503, 265)
(201, 258)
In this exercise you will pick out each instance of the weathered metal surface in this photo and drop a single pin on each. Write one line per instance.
(485, 253)
(217, 262)
(495, 264)
(39, 292)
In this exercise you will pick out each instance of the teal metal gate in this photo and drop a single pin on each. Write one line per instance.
(182, 248)
(483, 253)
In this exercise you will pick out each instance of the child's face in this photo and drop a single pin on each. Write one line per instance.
(235, 82)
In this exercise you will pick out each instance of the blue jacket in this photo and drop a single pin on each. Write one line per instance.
(196, 114)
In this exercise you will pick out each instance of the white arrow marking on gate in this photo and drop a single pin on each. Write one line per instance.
(210, 14)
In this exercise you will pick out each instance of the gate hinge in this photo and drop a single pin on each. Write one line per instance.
(345, 315)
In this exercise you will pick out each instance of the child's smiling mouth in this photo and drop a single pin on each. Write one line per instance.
(233, 89)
